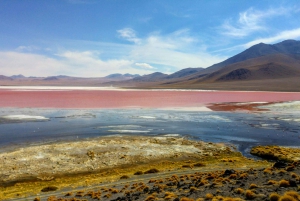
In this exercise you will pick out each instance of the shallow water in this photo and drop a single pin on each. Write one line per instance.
(241, 129)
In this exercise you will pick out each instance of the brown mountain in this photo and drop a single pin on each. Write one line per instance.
(261, 67)
(276, 72)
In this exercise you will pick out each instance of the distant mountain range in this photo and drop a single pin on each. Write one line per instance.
(261, 67)
(63, 80)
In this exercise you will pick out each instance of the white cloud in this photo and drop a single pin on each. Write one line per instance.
(251, 21)
(144, 65)
(177, 50)
(28, 64)
(29, 48)
(168, 53)
(284, 35)
(128, 34)
(82, 64)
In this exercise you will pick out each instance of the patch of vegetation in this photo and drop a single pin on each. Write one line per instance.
(153, 170)
(49, 188)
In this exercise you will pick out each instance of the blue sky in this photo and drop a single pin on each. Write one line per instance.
(94, 38)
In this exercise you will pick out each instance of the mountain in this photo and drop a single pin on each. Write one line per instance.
(51, 78)
(5, 78)
(261, 67)
(122, 76)
(184, 72)
(273, 66)
(291, 47)
(150, 77)
(20, 76)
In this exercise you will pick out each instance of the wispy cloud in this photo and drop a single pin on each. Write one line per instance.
(29, 48)
(129, 34)
(176, 50)
(284, 35)
(251, 21)
(144, 65)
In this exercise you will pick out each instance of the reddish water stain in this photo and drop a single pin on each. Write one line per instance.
(143, 98)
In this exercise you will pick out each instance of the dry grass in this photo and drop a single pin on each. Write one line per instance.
(138, 173)
(293, 194)
(250, 194)
(124, 177)
(186, 199)
(239, 191)
(287, 198)
(272, 182)
(276, 153)
(153, 170)
(284, 183)
(113, 174)
(274, 197)
(252, 186)
(209, 196)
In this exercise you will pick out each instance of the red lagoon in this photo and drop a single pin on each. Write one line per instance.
(133, 98)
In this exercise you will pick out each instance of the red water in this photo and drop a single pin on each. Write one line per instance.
(121, 99)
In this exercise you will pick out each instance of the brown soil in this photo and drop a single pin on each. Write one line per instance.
(250, 107)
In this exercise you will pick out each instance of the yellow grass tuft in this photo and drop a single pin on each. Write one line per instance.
(293, 194)
(272, 182)
(239, 191)
(287, 198)
(274, 197)
(284, 183)
(250, 194)
(209, 196)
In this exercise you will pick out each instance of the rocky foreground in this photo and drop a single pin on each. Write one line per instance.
(27, 171)
(277, 183)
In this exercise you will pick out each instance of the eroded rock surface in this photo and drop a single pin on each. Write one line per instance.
(46, 161)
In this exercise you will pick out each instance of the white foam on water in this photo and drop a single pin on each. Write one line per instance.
(291, 106)
(146, 117)
(285, 119)
(121, 126)
(172, 135)
(24, 117)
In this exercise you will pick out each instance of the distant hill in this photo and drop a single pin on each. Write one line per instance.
(122, 76)
(20, 76)
(150, 77)
(51, 78)
(184, 72)
(3, 77)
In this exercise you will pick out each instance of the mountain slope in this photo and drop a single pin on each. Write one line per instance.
(291, 47)
(5, 78)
